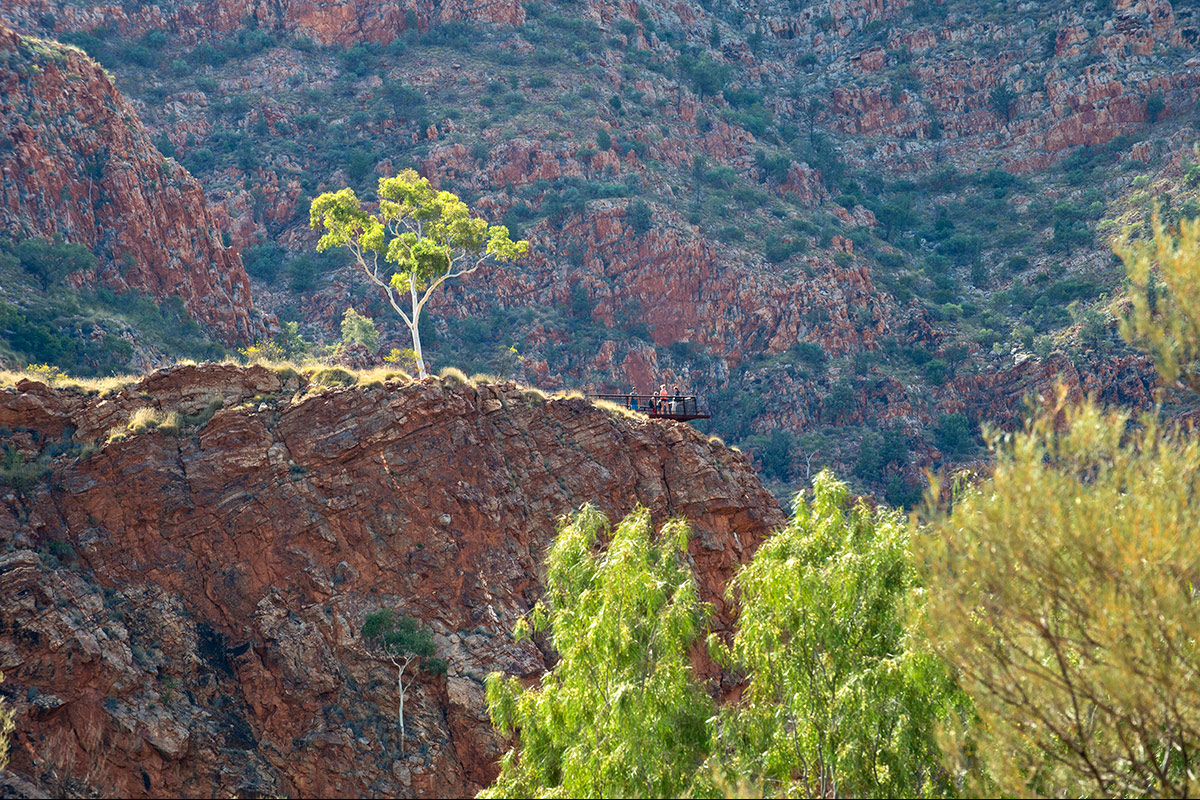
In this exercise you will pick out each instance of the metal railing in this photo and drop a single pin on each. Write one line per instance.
(673, 406)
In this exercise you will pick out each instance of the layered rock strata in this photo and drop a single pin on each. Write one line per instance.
(77, 162)
(182, 607)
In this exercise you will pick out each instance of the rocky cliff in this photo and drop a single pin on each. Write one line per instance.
(181, 605)
(77, 162)
(711, 189)
(343, 24)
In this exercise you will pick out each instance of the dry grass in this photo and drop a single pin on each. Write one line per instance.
(378, 376)
(147, 419)
(454, 376)
(618, 410)
(533, 396)
(717, 440)
(333, 376)
(483, 377)
(57, 379)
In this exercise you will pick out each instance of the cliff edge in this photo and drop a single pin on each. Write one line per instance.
(181, 605)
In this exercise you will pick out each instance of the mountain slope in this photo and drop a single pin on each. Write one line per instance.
(836, 220)
(79, 164)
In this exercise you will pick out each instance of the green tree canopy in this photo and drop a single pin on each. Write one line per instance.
(621, 714)
(842, 700)
(417, 239)
(357, 329)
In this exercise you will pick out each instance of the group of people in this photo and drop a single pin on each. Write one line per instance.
(660, 402)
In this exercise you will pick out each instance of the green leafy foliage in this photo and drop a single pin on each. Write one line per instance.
(1063, 591)
(427, 236)
(1165, 297)
(397, 635)
(640, 216)
(953, 434)
(620, 714)
(842, 700)
(52, 261)
(357, 329)
(1002, 100)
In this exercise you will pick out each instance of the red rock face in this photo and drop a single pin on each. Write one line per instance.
(342, 23)
(199, 636)
(81, 165)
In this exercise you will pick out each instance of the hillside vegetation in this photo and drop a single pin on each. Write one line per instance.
(841, 223)
(1031, 633)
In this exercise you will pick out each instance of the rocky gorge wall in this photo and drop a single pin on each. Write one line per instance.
(344, 23)
(77, 162)
(181, 608)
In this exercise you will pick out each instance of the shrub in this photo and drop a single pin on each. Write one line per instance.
(1062, 591)
(334, 376)
(640, 216)
(953, 434)
(357, 329)
(50, 261)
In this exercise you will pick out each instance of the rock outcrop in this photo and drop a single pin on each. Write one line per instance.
(181, 607)
(77, 162)
(343, 24)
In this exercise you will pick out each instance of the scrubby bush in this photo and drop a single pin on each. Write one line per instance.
(953, 434)
(357, 329)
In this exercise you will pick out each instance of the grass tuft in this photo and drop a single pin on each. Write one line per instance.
(378, 376)
(454, 376)
(618, 410)
(533, 396)
(334, 376)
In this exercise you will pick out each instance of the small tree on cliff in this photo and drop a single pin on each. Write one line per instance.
(428, 236)
(402, 641)
(1002, 99)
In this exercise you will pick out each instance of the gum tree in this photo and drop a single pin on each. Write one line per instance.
(841, 700)
(402, 641)
(417, 239)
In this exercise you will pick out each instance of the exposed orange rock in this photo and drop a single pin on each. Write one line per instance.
(342, 23)
(80, 164)
(198, 635)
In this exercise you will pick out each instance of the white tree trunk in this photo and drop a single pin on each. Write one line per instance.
(416, 340)
(400, 707)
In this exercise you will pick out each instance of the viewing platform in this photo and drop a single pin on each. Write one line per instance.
(679, 407)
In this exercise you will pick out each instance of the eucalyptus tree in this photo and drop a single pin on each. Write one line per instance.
(403, 642)
(416, 239)
(621, 714)
(842, 699)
